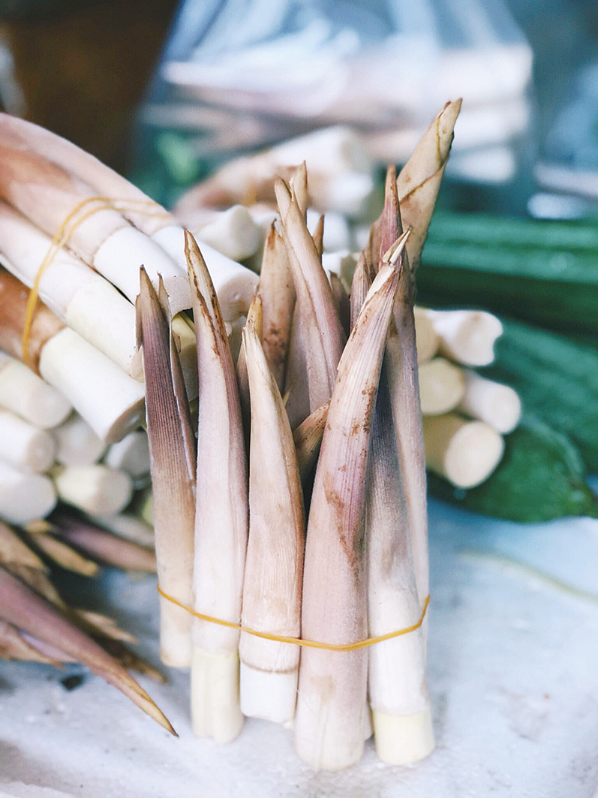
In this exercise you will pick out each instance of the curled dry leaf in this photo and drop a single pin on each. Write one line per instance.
(29, 612)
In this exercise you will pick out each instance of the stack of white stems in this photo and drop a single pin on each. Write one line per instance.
(465, 414)
(115, 243)
(50, 186)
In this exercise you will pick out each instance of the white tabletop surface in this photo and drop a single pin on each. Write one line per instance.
(513, 673)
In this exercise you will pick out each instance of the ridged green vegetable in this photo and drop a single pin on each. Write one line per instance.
(513, 232)
(545, 274)
(557, 380)
(540, 478)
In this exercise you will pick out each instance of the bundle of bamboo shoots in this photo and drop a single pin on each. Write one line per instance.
(291, 536)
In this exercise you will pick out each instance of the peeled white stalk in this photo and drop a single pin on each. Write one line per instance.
(221, 519)
(464, 452)
(102, 393)
(332, 150)
(426, 337)
(131, 454)
(331, 708)
(23, 445)
(95, 489)
(24, 497)
(466, 336)
(233, 233)
(234, 283)
(441, 386)
(26, 394)
(48, 194)
(492, 402)
(339, 167)
(274, 565)
(79, 296)
(340, 174)
(76, 443)
(109, 400)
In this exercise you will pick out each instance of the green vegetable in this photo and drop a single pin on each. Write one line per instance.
(557, 380)
(513, 232)
(543, 281)
(541, 477)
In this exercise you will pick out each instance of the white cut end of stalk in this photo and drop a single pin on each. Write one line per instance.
(235, 285)
(441, 386)
(467, 336)
(24, 497)
(121, 256)
(109, 400)
(106, 320)
(496, 404)
(464, 452)
(342, 264)
(130, 455)
(268, 695)
(95, 489)
(215, 709)
(331, 150)
(184, 336)
(403, 739)
(347, 194)
(24, 445)
(233, 233)
(27, 395)
(426, 337)
(337, 234)
(76, 443)
(129, 527)
(175, 635)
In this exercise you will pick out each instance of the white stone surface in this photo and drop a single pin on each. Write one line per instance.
(513, 663)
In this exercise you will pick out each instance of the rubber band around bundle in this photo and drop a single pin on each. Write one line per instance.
(299, 641)
(60, 240)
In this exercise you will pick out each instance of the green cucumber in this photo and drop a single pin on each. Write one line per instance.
(553, 286)
(513, 232)
(540, 478)
(557, 380)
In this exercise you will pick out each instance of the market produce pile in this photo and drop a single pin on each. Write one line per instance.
(290, 419)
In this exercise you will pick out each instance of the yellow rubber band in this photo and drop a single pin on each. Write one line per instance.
(299, 641)
(61, 238)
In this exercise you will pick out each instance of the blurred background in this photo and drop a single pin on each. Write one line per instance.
(165, 91)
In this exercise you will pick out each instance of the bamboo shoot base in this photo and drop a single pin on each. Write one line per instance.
(403, 739)
(215, 708)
